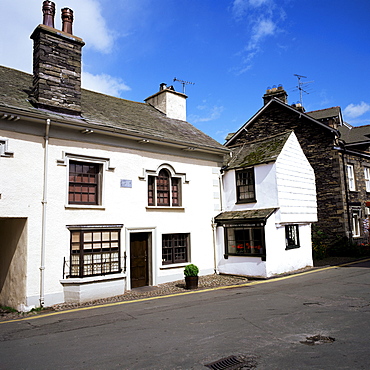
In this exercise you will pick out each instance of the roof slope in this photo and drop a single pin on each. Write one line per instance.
(250, 214)
(325, 113)
(107, 112)
(359, 134)
(258, 152)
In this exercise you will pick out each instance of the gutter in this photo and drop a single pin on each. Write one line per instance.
(82, 123)
(44, 204)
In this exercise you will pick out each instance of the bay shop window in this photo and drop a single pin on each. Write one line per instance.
(95, 250)
(244, 239)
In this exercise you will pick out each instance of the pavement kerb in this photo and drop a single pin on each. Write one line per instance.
(249, 283)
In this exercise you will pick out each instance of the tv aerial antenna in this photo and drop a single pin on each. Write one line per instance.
(300, 87)
(184, 83)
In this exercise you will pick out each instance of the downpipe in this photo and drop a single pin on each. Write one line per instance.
(44, 204)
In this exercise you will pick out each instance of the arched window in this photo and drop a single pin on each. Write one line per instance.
(164, 190)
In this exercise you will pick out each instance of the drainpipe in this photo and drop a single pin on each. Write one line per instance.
(214, 228)
(44, 203)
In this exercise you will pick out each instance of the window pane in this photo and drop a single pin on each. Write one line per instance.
(244, 240)
(291, 236)
(93, 261)
(245, 185)
(174, 248)
(83, 183)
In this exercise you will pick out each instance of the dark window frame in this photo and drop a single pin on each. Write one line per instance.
(245, 186)
(175, 248)
(292, 236)
(94, 255)
(244, 241)
(84, 183)
(164, 190)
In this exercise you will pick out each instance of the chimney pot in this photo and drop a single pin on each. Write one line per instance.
(48, 10)
(67, 20)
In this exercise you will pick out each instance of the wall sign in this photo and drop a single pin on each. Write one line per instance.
(126, 183)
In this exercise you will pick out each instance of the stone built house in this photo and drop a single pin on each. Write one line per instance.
(338, 153)
(269, 200)
(98, 194)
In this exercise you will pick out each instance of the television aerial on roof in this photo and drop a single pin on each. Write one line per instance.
(184, 83)
(300, 87)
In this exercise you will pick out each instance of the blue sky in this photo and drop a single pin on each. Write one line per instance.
(231, 49)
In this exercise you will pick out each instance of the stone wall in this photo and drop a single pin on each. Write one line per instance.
(56, 70)
(317, 143)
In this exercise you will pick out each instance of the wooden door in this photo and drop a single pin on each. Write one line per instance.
(139, 270)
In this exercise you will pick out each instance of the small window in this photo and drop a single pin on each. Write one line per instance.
(95, 252)
(84, 183)
(245, 189)
(367, 178)
(4, 149)
(351, 177)
(175, 248)
(244, 241)
(164, 190)
(356, 224)
(291, 236)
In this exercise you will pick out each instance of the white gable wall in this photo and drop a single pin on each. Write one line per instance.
(265, 186)
(295, 181)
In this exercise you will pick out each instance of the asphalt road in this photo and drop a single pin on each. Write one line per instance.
(266, 323)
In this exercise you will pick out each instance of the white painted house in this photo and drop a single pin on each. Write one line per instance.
(97, 194)
(269, 198)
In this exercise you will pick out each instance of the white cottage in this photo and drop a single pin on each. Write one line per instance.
(97, 194)
(269, 200)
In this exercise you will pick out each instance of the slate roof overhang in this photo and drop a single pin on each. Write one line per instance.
(256, 215)
(258, 152)
(353, 136)
(105, 114)
(326, 113)
(285, 106)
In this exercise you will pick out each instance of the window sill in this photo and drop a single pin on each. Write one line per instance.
(83, 206)
(170, 209)
(292, 247)
(246, 201)
(92, 279)
(174, 266)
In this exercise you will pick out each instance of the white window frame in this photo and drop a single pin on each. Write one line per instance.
(356, 231)
(105, 166)
(4, 149)
(173, 174)
(351, 177)
(367, 178)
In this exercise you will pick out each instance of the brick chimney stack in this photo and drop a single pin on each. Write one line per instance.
(275, 92)
(56, 64)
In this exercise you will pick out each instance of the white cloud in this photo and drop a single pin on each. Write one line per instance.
(210, 113)
(104, 83)
(26, 15)
(262, 18)
(356, 110)
(263, 28)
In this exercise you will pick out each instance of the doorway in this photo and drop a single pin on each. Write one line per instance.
(139, 259)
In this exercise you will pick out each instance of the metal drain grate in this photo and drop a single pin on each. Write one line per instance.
(228, 363)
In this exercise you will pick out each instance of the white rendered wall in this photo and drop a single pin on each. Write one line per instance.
(22, 196)
(265, 187)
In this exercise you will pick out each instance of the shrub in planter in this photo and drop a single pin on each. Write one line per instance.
(191, 276)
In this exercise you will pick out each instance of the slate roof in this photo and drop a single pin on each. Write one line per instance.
(325, 113)
(107, 113)
(251, 214)
(257, 152)
(360, 134)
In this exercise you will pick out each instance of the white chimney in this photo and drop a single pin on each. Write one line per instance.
(169, 102)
